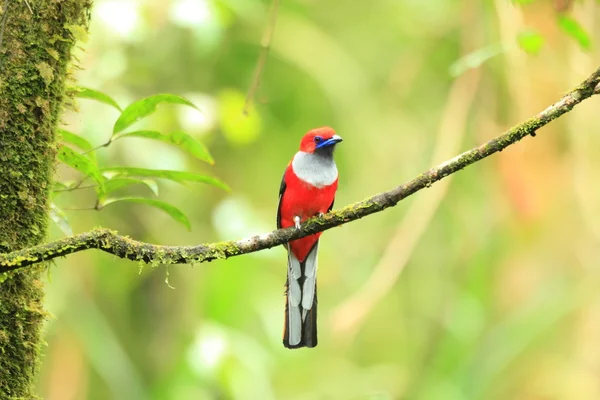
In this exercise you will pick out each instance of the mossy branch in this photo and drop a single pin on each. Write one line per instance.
(110, 242)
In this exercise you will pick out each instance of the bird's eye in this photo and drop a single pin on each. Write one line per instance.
(318, 139)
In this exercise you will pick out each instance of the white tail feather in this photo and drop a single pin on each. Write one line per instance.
(308, 293)
(300, 299)
(295, 324)
(311, 264)
(294, 266)
(294, 299)
(294, 293)
(310, 273)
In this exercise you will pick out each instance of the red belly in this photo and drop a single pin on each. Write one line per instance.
(303, 200)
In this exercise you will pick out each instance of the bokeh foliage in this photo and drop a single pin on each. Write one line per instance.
(497, 296)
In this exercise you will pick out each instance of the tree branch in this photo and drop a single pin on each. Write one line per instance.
(124, 247)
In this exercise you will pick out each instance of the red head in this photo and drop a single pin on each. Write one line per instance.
(319, 138)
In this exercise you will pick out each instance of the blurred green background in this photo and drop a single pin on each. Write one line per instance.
(481, 287)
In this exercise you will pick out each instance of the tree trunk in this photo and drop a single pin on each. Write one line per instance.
(36, 38)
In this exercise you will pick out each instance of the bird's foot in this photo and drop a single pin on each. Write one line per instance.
(297, 222)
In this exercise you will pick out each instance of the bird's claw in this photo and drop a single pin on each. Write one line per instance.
(297, 222)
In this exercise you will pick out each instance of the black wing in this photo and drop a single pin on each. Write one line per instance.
(281, 191)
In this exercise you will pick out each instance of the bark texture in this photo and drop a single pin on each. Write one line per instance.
(36, 39)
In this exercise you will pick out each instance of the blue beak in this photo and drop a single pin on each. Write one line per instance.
(330, 142)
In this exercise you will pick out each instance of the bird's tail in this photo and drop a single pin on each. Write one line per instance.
(300, 329)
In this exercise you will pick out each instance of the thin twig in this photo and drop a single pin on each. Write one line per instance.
(262, 59)
(98, 147)
(80, 209)
(28, 6)
(125, 247)
(70, 189)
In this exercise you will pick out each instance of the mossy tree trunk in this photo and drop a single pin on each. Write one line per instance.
(36, 39)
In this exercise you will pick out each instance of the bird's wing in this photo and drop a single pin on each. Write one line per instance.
(331, 205)
(281, 192)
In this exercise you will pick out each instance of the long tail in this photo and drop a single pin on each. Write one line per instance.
(300, 329)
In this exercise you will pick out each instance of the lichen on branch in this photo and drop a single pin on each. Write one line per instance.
(124, 247)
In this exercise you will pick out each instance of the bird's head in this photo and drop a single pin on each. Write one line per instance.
(320, 140)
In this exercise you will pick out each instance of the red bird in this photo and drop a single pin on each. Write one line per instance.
(307, 189)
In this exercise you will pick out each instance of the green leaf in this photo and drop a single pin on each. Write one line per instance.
(144, 107)
(74, 139)
(176, 176)
(530, 41)
(572, 28)
(87, 93)
(117, 183)
(474, 59)
(173, 211)
(80, 163)
(59, 217)
(180, 139)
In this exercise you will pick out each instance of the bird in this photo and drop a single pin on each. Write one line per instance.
(307, 189)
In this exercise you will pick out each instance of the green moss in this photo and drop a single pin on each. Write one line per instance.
(35, 53)
(221, 250)
(520, 131)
